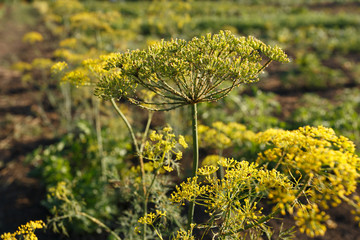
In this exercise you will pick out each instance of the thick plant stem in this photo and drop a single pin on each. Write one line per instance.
(195, 158)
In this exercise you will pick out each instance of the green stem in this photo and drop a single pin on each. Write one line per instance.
(127, 125)
(221, 168)
(146, 192)
(96, 104)
(146, 131)
(195, 157)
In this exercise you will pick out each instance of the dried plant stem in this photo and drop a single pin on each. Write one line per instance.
(195, 157)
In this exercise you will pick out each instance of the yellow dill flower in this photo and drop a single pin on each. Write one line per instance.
(183, 72)
(25, 231)
(78, 77)
(150, 218)
(8, 236)
(22, 66)
(147, 219)
(207, 170)
(33, 37)
(168, 168)
(67, 7)
(68, 43)
(313, 157)
(42, 63)
(223, 135)
(311, 220)
(226, 162)
(211, 160)
(58, 67)
(185, 235)
(188, 190)
(182, 141)
(90, 21)
(213, 138)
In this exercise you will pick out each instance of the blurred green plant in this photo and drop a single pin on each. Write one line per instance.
(257, 110)
(73, 174)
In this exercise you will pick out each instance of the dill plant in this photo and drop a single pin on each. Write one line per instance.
(180, 73)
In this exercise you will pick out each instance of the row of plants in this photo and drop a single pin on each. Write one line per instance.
(322, 44)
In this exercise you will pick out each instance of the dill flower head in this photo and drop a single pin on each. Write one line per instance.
(25, 231)
(183, 72)
(162, 149)
(311, 220)
(314, 153)
(150, 218)
(33, 37)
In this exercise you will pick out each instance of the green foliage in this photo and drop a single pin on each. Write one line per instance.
(73, 169)
(257, 110)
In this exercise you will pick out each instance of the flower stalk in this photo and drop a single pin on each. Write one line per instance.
(195, 158)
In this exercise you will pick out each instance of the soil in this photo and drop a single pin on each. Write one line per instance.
(26, 124)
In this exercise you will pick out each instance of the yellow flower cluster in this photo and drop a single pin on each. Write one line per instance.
(68, 43)
(221, 135)
(207, 170)
(150, 218)
(58, 67)
(314, 152)
(243, 177)
(188, 190)
(93, 21)
(212, 160)
(235, 197)
(356, 212)
(311, 220)
(42, 63)
(162, 149)
(33, 37)
(185, 235)
(25, 231)
(77, 77)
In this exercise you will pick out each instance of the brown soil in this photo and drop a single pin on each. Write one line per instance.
(23, 128)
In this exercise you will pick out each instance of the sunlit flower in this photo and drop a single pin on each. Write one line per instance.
(180, 72)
